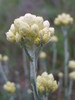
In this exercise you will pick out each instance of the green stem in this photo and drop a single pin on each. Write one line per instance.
(33, 74)
(25, 64)
(54, 57)
(66, 58)
(45, 97)
(6, 69)
(3, 73)
(11, 98)
(43, 64)
(60, 88)
(70, 88)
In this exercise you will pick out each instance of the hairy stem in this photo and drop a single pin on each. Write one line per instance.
(60, 88)
(45, 97)
(66, 58)
(43, 64)
(25, 64)
(54, 57)
(33, 73)
(70, 88)
(3, 73)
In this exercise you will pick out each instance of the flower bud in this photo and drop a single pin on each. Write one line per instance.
(18, 37)
(60, 74)
(9, 87)
(46, 83)
(71, 64)
(42, 55)
(5, 58)
(12, 28)
(46, 23)
(63, 19)
(35, 28)
(72, 75)
(10, 36)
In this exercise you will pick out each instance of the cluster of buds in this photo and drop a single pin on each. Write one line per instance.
(42, 55)
(60, 74)
(30, 28)
(46, 83)
(10, 87)
(3, 58)
(72, 64)
(72, 75)
(63, 19)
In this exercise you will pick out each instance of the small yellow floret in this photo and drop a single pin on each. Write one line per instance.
(42, 55)
(10, 87)
(72, 75)
(71, 64)
(5, 58)
(60, 74)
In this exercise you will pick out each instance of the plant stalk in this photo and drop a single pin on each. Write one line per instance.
(3, 73)
(70, 88)
(66, 58)
(43, 64)
(54, 57)
(33, 74)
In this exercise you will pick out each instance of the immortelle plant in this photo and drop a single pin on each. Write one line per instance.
(32, 33)
(64, 20)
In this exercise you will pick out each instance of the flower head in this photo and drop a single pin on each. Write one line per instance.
(31, 29)
(46, 83)
(72, 75)
(63, 19)
(9, 87)
(60, 74)
(72, 64)
(42, 55)
(5, 58)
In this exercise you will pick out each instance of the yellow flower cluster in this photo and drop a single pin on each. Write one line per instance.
(42, 55)
(72, 64)
(9, 87)
(60, 74)
(63, 19)
(30, 28)
(46, 83)
(72, 75)
(3, 58)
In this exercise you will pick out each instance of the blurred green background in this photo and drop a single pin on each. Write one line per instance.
(49, 9)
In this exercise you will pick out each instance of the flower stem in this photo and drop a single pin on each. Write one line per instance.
(3, 73)
(43, 64)
(12, 98)
(54, 57)
(60, 88)
(66, 58)
(70, 88)
(45, 97)
(25, 64)
(33, 74)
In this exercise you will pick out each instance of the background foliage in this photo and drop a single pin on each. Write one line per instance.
(11, 9)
